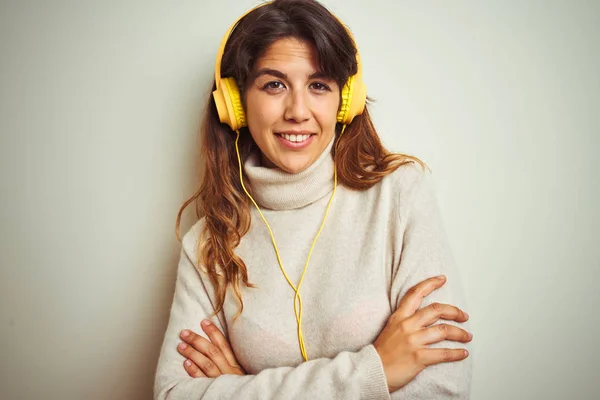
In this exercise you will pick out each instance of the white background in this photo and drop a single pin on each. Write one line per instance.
(99, 108)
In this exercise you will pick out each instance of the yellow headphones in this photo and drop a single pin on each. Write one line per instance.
(231, 112)
(229, 102)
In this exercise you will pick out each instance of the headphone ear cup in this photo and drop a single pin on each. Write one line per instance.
(354, 98)
(238, 113)
(346, 100)
(358, 99)
(229, 104)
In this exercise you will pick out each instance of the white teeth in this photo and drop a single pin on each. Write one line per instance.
(295, 138)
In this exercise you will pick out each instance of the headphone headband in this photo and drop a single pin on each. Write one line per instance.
(224, 43)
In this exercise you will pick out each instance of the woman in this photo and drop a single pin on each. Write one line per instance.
(306, 288)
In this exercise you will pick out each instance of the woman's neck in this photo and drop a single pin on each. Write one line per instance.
(275, 189)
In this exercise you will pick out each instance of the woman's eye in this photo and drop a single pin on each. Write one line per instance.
(320, 86)
(274, 85)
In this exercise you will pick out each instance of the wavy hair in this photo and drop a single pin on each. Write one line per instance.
(360, 157)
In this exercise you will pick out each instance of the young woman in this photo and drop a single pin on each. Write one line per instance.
(316, 268)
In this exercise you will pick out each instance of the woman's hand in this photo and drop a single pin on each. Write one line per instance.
(208, 358)
(402, 345)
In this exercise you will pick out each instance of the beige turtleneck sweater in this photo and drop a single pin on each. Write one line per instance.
(376, 244)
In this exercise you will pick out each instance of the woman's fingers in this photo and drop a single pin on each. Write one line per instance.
(427, 357)
(412, 300)
(219, 340)
(203, 353)
(192, 369)
(435, 311)
(206, 366)
(438, 333)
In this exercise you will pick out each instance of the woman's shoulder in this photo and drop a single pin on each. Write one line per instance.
(191, 238)
(412, 187)
(408, 179)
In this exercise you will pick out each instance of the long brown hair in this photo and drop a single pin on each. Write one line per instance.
(360, 157)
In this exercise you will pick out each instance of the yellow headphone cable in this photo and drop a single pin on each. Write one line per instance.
(297, 298)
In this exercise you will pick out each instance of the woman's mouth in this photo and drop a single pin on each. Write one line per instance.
(295, 140)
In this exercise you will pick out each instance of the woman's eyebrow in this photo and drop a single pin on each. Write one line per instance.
(281, 75)
(269, 71)
(320, 75)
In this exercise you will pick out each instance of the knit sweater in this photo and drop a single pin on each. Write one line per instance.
(376, 244)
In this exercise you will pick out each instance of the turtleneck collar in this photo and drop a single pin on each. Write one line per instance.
(275, 189)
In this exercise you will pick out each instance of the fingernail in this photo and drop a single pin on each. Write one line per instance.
(188, 363)
(470, 335)
(185, 333)
(466, 315)
(466, 353)
(442, 277)
(206, 322)
(182, 346)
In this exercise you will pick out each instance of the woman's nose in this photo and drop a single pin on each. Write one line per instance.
(297, 109)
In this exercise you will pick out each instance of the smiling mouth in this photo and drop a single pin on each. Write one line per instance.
(295, 138)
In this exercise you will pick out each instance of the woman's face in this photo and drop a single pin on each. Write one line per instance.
(291, 108)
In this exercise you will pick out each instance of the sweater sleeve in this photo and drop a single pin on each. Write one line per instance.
(350, 375)
(425, 252)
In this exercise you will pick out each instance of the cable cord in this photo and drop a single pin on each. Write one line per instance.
(297, 298)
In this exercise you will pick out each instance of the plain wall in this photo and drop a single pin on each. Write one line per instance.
(99, 107)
